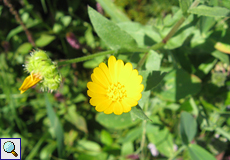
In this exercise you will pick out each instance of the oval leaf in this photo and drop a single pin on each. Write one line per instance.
(44, 40)
(110, 33)
(188, 127)
(196, 152)
(151, 78)
(139, 113)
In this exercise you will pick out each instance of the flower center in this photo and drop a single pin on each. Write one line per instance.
(116, 91)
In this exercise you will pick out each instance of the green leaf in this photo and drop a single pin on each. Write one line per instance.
(206, 23)
(206, 66)
(190, 106)
(139, 113)
(101, 156)
(151, 78)
(25, 48)
(144, 35)
(188, 127)
(77, 120)
(196, 152)
(47, 151)
(115, 121)
(184, 5)
(178, 39)
(144, 99)
(36, 147)
(66, 20)
(224, 133)
(179, 84)
(161, 138)
(106, 138)
(85, 145)
(110, 33)
(153, 61)
(221, 56)
(131, 135)
(44, 40)
(113, 11)
(20, 29)
(56, 125)
(226, 3)
(127, 148)
(210, 11)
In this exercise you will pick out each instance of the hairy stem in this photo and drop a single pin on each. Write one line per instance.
(81, 59)
(18, 19)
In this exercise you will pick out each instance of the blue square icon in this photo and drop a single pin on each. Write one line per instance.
(10, 148)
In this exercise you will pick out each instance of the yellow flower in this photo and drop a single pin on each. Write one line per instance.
(116, 88)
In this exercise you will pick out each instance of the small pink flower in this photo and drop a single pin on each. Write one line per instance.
(71, 39)
(153, 149)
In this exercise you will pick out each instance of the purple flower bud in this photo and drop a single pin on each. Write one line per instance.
(99, 8)
(71, 39)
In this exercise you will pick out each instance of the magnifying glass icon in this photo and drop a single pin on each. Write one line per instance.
(9, 147)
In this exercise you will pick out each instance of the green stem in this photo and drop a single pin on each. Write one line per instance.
(177, 152)
(80, 59)
(154, 47)
(143, 140)
(194, 4)
(141, 62)
(174, 30)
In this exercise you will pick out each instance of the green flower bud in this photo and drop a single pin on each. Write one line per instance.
(42, 70)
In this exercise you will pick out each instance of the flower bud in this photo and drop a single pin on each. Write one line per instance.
(42, 70)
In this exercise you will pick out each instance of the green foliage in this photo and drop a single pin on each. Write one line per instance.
(110, 33)
(180, 47)
(188, 127)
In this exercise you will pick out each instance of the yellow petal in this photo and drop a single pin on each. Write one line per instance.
(105, 69)
(133, 92)
(93, 94)
(111, 66)
(136, 97)
(29, 82)
(126, 106)
(96, 88)
(109, 110)
(118, 68)
(133, 82)
(117, 108)
(104, 105)
(130, 101)
(94, 101)
(125, 73)
(99, 77)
